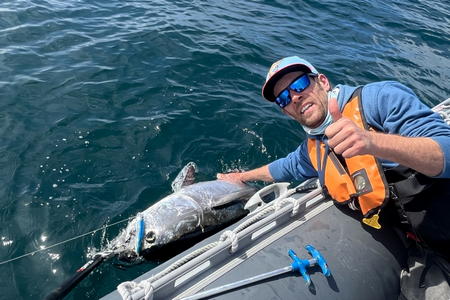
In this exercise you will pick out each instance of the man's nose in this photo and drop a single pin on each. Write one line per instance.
(296, 97)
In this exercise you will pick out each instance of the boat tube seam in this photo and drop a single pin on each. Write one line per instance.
(267, 214)
(243, 229)
(208, 252)
(254, 250)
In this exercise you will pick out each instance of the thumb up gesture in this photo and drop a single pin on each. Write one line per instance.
(344, 136)
(333, 108)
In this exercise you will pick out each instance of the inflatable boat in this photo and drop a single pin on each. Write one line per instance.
(294, 244)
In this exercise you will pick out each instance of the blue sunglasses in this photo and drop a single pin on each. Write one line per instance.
(298, 85)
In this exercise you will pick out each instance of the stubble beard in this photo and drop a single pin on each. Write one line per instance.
(317, 117)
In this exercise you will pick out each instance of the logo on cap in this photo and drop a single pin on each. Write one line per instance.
(274, 68)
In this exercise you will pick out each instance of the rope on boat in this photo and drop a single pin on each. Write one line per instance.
(232, 237)
(128, 288)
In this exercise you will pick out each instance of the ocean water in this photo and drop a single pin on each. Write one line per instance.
(103, 102)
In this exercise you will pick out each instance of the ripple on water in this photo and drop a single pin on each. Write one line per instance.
(103, 102)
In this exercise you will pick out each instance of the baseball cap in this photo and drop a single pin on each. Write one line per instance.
(282, 67)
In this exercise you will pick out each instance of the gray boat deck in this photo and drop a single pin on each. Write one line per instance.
(364, 263)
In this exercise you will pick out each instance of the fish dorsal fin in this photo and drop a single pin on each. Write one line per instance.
(185, 177)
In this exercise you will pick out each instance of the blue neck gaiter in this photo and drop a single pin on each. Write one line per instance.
(320, 130)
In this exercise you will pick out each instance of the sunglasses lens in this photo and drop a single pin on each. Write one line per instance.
(300, 84)
(283, 99)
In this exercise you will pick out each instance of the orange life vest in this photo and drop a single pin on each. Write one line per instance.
(361, 179)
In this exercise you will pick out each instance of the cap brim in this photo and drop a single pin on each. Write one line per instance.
(267, 90)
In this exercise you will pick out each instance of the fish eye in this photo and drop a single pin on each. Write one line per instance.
(150, 237)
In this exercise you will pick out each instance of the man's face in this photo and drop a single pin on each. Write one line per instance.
(310, 106)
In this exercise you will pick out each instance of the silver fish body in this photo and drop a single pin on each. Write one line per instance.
(193, 209)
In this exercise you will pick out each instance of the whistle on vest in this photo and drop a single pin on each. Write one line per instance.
(363, 186)
(373, 221)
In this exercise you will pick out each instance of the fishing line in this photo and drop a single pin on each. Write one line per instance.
(63, 242)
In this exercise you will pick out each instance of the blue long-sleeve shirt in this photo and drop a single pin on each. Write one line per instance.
(389, 107)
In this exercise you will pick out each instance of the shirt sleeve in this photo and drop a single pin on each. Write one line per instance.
(391, 107)
(295, 166)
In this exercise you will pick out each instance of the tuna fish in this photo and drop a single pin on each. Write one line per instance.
(191, 210)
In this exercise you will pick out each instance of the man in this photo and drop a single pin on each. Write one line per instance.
(376, 148)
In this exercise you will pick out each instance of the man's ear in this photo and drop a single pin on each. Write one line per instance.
(324, 82)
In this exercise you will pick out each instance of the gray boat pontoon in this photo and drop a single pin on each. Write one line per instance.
(365, 263)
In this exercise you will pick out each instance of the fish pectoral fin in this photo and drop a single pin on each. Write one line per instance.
(229, 199)
(226, 201)
(185, 177)
(218, 206)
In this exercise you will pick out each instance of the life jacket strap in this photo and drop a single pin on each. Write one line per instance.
(408, 187)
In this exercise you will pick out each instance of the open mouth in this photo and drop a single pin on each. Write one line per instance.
(305, 108)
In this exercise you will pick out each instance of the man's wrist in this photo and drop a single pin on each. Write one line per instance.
(373, 146)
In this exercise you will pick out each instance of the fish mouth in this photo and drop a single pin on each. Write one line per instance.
(129, 257)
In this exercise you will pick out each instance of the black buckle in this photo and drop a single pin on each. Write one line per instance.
(393, 194)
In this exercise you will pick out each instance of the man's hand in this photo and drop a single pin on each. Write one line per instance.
(344, 136)
(232, 177)
(261, 173)
(419, 153)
